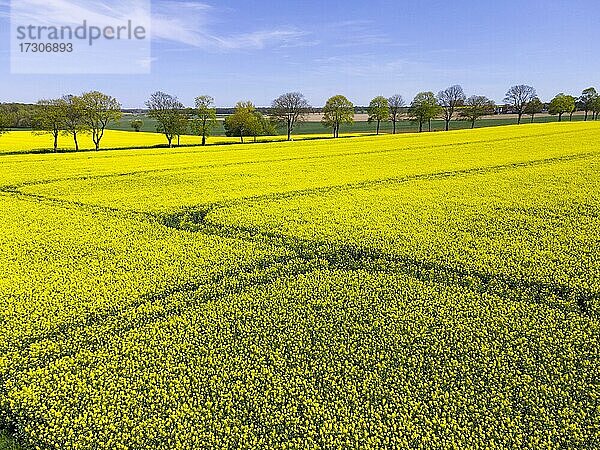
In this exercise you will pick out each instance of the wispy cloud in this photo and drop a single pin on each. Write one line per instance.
(187, 23)
(190, 23)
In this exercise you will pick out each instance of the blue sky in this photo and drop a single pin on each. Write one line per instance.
(256, 50)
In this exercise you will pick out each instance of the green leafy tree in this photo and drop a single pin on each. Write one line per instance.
(561, 104)
(533, 107)
(573, 108)
(395, 103)
(476, 107)
(49, 118)
(206, 117)
(73, 109)
(5, 119)
(289, 110)
(167, 110)
(182, 126)
(137, 124)
(243, 122)
(596, 108)
(587, 100)
(424, 108)
(379, 111)
(266, 126)
(518, 97)
(98, 111)
(450, 99)
(338, 110)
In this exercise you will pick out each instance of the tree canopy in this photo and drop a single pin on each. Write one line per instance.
(379, 111)
(395, 104)
(424, 108)
(98, 110)
(518, 97)
(166, 109)
(475, 107)
(338, 110)
(206, 117)
(50, 118)
(562, 104)
(533, 107)
(450, 99)
(587, 100)
(289, 110)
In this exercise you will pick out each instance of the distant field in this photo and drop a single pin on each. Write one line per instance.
(437, 290)
(121, 136)
(362, 126)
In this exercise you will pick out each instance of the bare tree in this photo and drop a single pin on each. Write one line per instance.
(290, 109)
(475, 107)
(518, 97)
(167, 111)
(395, 103)
(450, 99)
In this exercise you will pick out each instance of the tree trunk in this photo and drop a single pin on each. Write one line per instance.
(377, 128)
(420, 126)
(519, 120)
(394, 126)
(242, 137)
(203, 139)
(55, 142)
(430, 125)
(560, 117)
(178, 141)
(472, 124)
(447, 124)
(75, 140)
(532, 116)
(586, 115)
(571, 116)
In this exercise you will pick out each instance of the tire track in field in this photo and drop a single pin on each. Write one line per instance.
(16, 189)
(296, 256)
(342, 256)
(390, 181)
(335, 255)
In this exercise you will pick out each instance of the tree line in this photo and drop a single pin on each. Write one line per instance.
(91, 112)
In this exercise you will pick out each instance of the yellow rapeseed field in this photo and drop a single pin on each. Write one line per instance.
(27, 141)
(414, 291)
